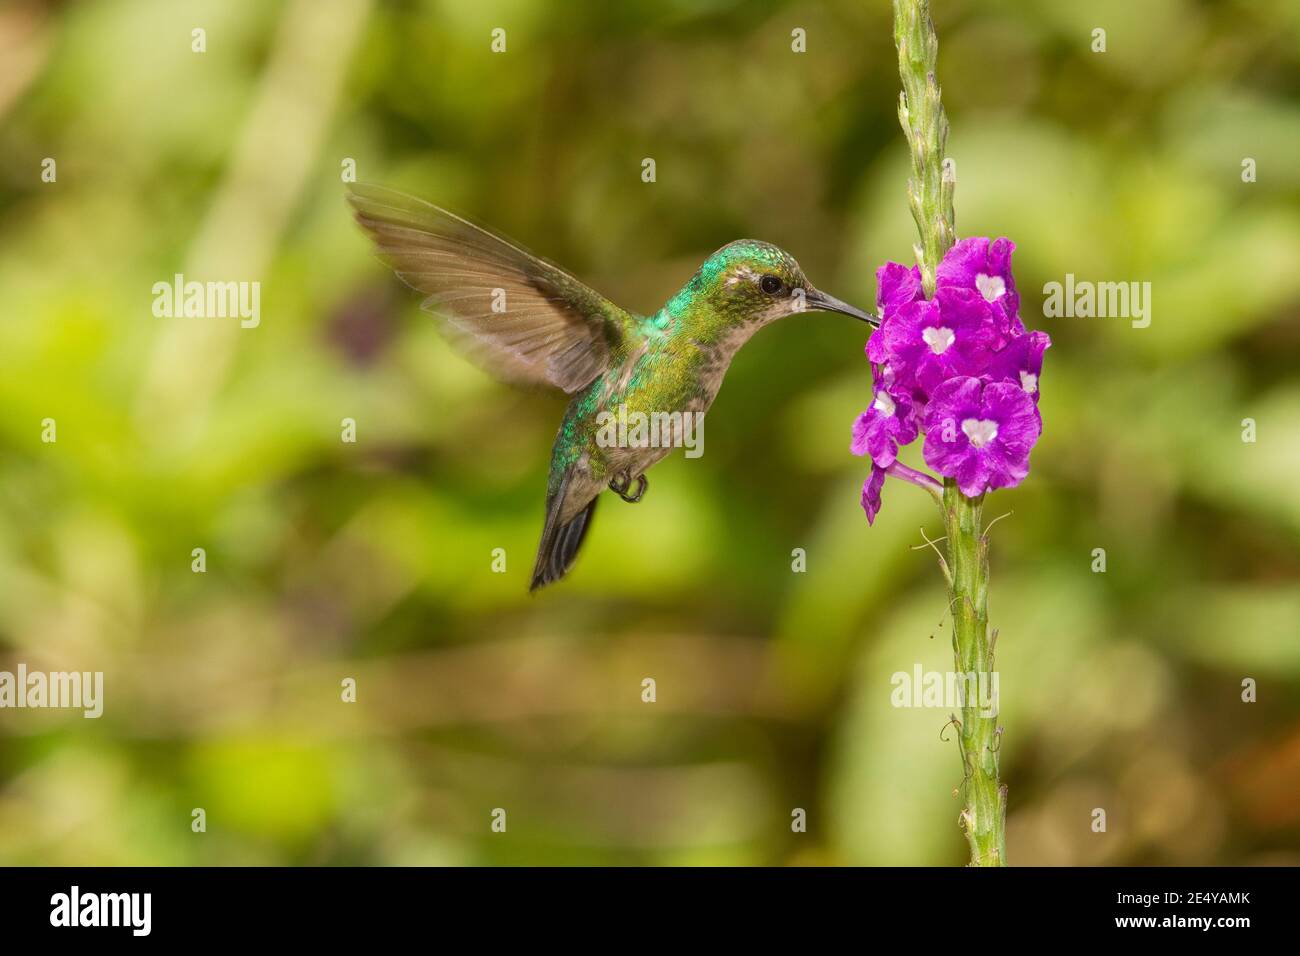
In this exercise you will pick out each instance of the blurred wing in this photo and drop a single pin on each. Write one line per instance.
(519, 317)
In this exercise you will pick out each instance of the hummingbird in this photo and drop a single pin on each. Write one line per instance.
(529, 322)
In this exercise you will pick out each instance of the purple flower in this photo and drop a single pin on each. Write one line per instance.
(886, 424)
(927, 342)
(896, 285)
(1021, 362)
(980, 433)
(959, 368)
(985, 267)
(871, 493)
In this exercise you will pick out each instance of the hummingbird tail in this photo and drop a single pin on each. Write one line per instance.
(560, 542)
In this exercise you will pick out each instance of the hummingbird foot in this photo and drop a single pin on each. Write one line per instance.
(620, 484)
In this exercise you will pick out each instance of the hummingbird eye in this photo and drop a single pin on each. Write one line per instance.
(771, 284)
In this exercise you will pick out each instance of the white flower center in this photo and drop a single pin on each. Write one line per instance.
(938, 339)
(979, 431)
(991, 287)
(1029, 382)
(884, 404)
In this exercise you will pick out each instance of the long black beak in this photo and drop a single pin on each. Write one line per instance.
(816, 299)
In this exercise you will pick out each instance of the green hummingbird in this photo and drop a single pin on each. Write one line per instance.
(529, 322)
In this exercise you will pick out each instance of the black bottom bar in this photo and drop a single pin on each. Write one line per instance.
(334, 905)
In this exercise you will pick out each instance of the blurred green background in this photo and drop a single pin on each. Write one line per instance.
(325, 560)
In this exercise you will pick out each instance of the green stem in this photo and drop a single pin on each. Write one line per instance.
(984, 810)
(920, 111)
(929, 193)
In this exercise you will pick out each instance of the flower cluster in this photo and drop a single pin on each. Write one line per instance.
(958, 368)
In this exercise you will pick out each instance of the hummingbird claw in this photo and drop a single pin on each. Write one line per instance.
(621, 483)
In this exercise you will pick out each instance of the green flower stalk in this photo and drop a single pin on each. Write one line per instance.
(929, 192)
(983, 816)
(920, 111)
(952, 361)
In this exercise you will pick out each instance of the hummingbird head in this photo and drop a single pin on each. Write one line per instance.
(749, 284)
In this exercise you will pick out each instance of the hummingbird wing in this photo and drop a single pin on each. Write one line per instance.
(520, 317)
